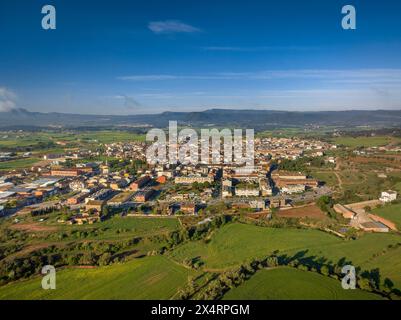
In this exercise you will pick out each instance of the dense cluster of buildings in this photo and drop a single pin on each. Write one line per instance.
(88, 187)
(126, 150)
(290, 148)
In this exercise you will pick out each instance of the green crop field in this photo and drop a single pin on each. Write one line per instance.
(289, 284)
(160, 277)
(226, 248)
(110, 136)
(362, 141)
(328, 177)
(390, 212)
(146, 278)
(18, 164)
(33, 139)
(15, 143)
(115, 228)
(132, 226)
(397, 187)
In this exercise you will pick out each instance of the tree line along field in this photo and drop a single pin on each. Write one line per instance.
(162, 276)
(33, 234)
(292, 284)
(40, 143)
(226, 248)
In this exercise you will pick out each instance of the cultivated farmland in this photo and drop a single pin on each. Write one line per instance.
(288, 284)
(146, 278)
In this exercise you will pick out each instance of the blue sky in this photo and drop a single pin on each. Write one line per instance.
(128, 57)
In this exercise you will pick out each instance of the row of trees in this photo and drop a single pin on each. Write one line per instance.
(369, 280)
(302, 164)
(218, 285)
(82, 253)
(98, 253)
(274, 222)
(192, 233)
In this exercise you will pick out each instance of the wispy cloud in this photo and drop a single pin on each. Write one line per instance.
(7, 99)
(356, 76)
(171, 26)
(149, 77)
(258, 48)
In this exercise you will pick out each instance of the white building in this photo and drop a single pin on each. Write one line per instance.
(192, 179)
(296, 188)
(388, 196)
(246, 192)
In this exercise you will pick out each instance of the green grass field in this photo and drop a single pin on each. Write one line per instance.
(362, 141)
(33, 139)
(290, 284)
(15, 143)
(229, 246)
(147, 278)
(390, 212)
(138, 226)
(227, 249)
(328, 177)
(111, 136)
(123, 227)
(18, 164)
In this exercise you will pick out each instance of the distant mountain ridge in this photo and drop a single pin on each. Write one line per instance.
(257, 119)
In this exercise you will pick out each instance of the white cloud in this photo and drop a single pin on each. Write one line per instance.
(171, 26)
(7, 99)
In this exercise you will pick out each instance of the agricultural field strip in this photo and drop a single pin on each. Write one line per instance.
(334, 250)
